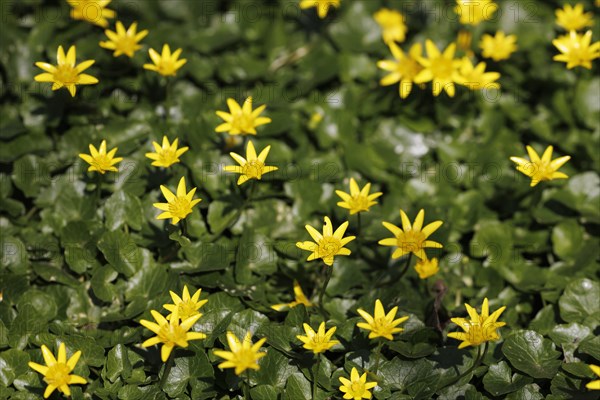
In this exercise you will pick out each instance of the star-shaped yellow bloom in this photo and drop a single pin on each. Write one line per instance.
(177, 206)
(541, 169)
(328, 244)
(251, 167)
(56, 372)
(440, 68)
(411, 238)
(171, 333)
(357, 387)
(243, 355)
(403, 69)
(167, 154)
(322, 6)
(300, 298)
(473, 12)
(124, 41)
(166, 64)
(480, 329)
(381, 324)
(392, 25)
(573, 18)
(594, 385)
(92, 11)
(359, 199)
(186, 306)
(100, 160)
(427, 267)
(241, 120)
(319, 341)
(475, 77)
(65, 73)
(576, 50)
(498, 47)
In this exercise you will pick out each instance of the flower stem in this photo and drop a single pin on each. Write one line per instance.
(184, 227)
(246, 385)
(167, 104)
(358, 237)
(166, 371)
(406, 266)
(377, 355)
(476, 363)
(315, 375)
(328, 273)
(98, 187)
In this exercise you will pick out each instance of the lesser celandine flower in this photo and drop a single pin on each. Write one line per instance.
(179, 205)
(411, 238)
(359, 199)
(427, 267)
(92, 11)
(381, 324)
(299, 298)
(251, 167)
(328, 244)
(475, 77)
(573, 18)
(57, 370)
(473, 12)
(440, 68)
(171, 333)
(186, 306)
(576, 49)
(322, 6)
(167, 154)
(392, 25)
(241, 120)
(403, 69)
(541, 169)
(357, 387)
(594, 385)
(480, 328)
(464, 40)
(124, 41)
(100, 160)
(498, 47)
(319, 341)
(166, 63)
(65, 73)
(243, 355)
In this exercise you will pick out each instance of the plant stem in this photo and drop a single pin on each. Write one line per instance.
(328, 273)
(98, 188)
(184, 227)
(358, 237)
(405, 266)
(476, 363)
(315, 374)
(377, 355)
(166, 371)
(167, 104)
(246, 385)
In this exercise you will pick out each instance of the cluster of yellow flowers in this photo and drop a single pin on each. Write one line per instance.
(576, 49)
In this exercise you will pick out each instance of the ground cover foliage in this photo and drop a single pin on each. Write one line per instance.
(83, 267)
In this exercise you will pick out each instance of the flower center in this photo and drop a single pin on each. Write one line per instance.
(357, 388)
(360, 203)
(167, 156)
(127, 44)
(244, 358)
(66, 74)
(58, 375)
(442, 68)
(180, 207)
(102, 162)
(166, 67)
(187, 309)
(253, 169)
(243, 122)
(329, 246)
(172, 333)
(411, 240)
(408, 68)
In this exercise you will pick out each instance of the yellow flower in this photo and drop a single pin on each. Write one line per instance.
(359, 199)
(541, 169)
(498, 47)
(56, 372)
(427, 267)
(573, 18)
(243, 355)
(475, 77)
(411, 238)
(92, 11)
(441, 68)
(317, 342)
(403, 69)
(65, 73)
(381, 324)
(300, 298)
(241, 120)
(177, 206)
(392, 25)
(321, 5)
(166, 63)
(327, 245)
(356, 388)
(576, 49)
(594, 385)
(480, 329)
(464, 40)
(171, 333)
(167, 154)
(186, 306)
(251, 167)
(124, 41)
(101, 161)
(473, 12)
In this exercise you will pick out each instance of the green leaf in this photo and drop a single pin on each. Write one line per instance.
(529, 352)
(500, 380)
(297, 387)
(12, 364)
(275, 369)
(264, 392)
(122, 208)
(117, 363)
(579, 302)
(527, 392)
(567, 239)
(417, 378)
(121, 252)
